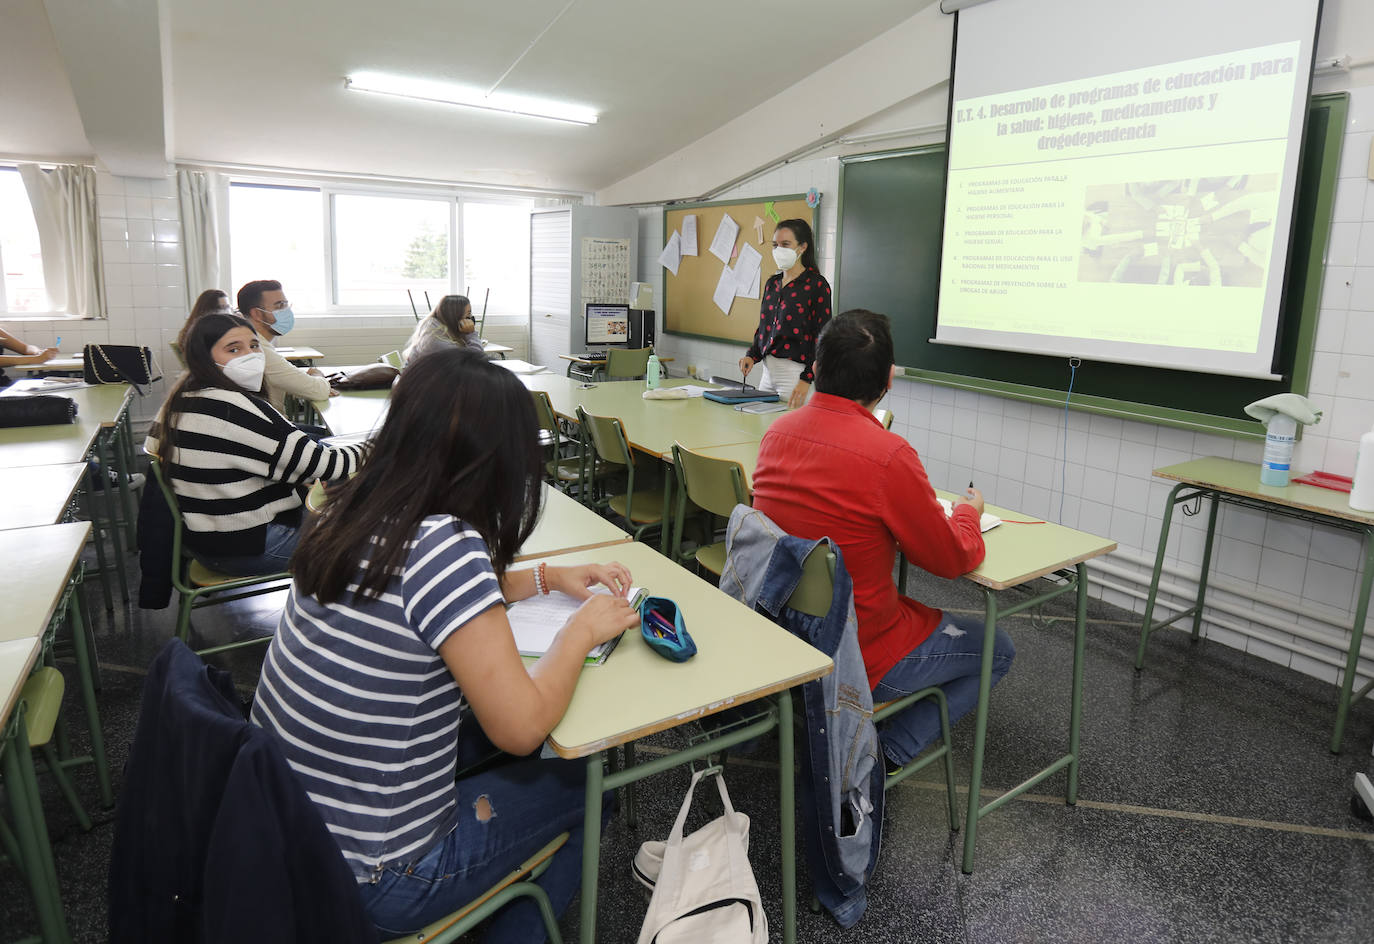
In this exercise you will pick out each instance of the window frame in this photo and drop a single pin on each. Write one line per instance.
(329, 189)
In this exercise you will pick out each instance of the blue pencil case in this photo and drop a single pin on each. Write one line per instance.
(660, 623)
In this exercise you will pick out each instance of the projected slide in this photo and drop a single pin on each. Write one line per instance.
(1139, 215)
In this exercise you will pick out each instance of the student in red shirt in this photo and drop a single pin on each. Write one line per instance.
(831, 470)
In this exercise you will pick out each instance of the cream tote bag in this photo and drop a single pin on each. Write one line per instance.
(706, 893)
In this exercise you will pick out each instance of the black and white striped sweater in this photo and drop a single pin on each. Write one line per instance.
(237, 465)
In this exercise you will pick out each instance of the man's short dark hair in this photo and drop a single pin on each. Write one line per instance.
(854, 356)
(250, 296)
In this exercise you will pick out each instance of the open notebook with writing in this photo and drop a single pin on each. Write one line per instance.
(987, 523)
(535, 621)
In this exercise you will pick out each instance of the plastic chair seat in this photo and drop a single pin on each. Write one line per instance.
(202, 576)
(712, 557)
(648, 506)
(533, 867)
(42, 693)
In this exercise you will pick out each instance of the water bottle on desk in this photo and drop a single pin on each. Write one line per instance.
(1362, 487)
(1278, 450)
(653, 372)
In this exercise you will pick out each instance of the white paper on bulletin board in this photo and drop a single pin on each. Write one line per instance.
(605, 271)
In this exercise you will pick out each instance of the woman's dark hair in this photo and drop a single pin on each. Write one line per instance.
(449, 313)
(854, 356)
(202, 372)
(801, 232)
(206, 302)
(461, 439)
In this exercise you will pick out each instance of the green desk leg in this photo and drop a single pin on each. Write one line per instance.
(591, 848)
(1147, 626)
(114, 448)
(1080, 640)
(980, 729)
(787, 813)
(1352, 658)
(31, 832)
(666, 522)
(1206, 566)
(88, 496)
(86, 669)
(102, 444)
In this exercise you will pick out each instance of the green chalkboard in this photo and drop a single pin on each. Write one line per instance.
(888, 259)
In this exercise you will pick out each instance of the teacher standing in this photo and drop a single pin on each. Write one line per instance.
(796, 305)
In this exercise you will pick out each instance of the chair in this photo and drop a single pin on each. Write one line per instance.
(627, 365)
(393, 359)
(197, 585)
(884, 417)
(42, 692)
(714, 485)
(519, 883)
(812, 596)
(562, 471)
(641, 509)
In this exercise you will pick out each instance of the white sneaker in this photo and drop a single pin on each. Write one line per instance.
(648, 863)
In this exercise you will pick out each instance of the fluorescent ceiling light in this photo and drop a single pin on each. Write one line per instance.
(443, 92)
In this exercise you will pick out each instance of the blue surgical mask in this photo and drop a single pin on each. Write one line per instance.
(286, 320)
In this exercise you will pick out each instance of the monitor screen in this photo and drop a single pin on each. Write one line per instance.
(608, 324)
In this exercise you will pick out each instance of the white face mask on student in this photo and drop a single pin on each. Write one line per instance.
(785, 257)
(246, 370)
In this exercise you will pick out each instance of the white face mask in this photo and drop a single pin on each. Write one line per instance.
(246, 370)
(785, 257)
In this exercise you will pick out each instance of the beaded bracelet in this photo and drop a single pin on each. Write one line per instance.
(541, 579)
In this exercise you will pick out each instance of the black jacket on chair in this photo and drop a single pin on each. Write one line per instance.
(215, 838)
(155, 531)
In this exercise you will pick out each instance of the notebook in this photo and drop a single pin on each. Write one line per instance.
(536, 621)
(986, 524)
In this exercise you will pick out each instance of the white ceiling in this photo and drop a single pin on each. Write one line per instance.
(261, 81)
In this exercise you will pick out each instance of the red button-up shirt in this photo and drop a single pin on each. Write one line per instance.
(831, 470)
(790, 319)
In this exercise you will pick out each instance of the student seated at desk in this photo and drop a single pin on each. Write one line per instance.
(264, 304)
(24, 354)
(238, 467)
(831, 470)
(394, 628)
(450, 324)
(212, 299)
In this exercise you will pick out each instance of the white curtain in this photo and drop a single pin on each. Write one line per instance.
(63, 201)
(199, 193)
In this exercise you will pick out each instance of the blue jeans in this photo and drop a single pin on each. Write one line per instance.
(951, 658)
(276, 554)
(530, 802)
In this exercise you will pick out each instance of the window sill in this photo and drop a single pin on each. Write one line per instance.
(32, 317)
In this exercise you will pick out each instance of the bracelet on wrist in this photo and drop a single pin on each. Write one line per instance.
(541, 579)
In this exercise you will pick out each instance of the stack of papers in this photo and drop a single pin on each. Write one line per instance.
(536, 621)
(987, 523)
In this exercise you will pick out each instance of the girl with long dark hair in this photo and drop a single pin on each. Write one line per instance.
(394, 645)
(795, 306)
(238, 467)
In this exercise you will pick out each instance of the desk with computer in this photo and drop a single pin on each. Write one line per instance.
(614, 328)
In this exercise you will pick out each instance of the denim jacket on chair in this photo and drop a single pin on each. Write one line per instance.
(842, 798)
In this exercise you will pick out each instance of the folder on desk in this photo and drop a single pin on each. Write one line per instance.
(741, 395)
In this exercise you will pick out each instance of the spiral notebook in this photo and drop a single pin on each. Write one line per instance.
(535, 621)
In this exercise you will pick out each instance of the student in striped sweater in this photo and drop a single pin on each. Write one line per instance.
(394, 646)
(238, 467)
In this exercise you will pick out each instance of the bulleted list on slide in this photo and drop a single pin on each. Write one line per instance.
(1139, 206)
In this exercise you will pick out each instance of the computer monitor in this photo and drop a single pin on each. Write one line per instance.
(608, 324)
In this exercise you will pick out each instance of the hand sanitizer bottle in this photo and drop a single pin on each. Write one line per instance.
(1362, 492)
(653, 373)
(1278, 450)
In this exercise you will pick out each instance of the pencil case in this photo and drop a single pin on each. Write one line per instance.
(37, 411)
(660, 623)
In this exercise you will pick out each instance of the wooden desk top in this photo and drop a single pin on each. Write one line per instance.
(566, 526)
(1242, 478)
(741, 656)
(37, 495)
(38, 562)
(17, 659)
(353, 411)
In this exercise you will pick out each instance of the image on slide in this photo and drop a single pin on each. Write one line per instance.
(1212, 231)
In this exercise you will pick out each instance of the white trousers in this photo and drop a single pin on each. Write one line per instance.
(779, 376)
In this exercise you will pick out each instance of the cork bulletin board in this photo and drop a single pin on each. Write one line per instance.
(688, 297)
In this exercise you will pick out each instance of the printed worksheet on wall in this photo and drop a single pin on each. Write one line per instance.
(605, 271)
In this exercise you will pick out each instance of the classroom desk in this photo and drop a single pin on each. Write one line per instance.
(521, 368)
(1227, 481)
(17, 659)
(42, 567)
(500, 350)
(76, 363)
(565, 525)
(741, 657)
(598, 365)
(303, 356)
(353, 411)
(38, 495)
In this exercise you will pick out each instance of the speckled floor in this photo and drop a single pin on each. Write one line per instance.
(1210, 809)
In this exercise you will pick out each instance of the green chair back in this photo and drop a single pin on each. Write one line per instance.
(627, 365)
(607, 437)
(543, 410)
(816, 588)
(716, 485)
(393, 359)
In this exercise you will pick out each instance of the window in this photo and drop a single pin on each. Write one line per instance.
(22, 288)
(337, 249)
(274, 233)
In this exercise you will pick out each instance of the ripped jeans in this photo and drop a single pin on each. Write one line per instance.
(504, 814)
(951, 658)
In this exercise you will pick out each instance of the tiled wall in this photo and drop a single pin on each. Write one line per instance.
(1281, 589)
